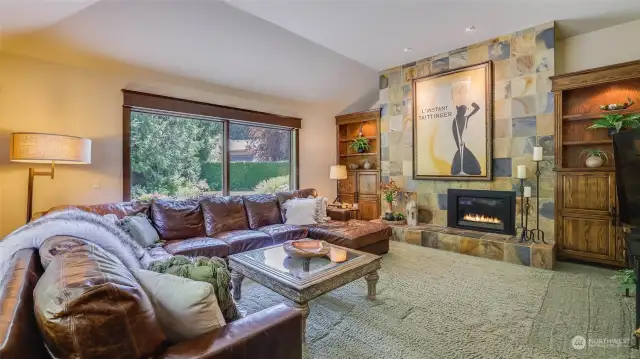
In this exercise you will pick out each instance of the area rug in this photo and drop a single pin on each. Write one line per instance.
(445, 305)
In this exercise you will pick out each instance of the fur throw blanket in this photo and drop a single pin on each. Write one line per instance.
(87, 226)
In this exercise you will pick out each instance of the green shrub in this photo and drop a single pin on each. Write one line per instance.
(244, 176)
(273, 185)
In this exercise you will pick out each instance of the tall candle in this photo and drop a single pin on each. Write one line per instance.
(537, 153)
(522, 171)
(527, 191)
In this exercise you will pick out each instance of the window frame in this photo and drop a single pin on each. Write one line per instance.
(157, 104)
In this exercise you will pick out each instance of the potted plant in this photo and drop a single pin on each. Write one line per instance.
(595, 157)
(389, 193)
(360, 145)
(616, 122)
(626, 281)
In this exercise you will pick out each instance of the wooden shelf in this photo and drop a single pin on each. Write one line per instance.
(351, 139)
(360, 154)
(580, 143)
(364, 170)
(587, 169)
(595, 115)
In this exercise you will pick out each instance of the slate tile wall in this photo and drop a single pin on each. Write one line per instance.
(523, 118)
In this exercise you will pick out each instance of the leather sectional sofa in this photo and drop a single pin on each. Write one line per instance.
(212, 226)
(221, 226)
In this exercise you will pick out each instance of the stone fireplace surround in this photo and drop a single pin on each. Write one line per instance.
(479, 243)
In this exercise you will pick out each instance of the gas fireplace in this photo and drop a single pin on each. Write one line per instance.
(486, 211)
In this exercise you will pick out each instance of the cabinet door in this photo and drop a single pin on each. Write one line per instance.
(368, 184)
(588, 237)
(348, 186)
(587, 193)
(369, 207)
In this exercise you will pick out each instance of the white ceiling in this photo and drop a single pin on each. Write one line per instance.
(375, 32)
(310, 50)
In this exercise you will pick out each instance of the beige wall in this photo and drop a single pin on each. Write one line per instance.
(43, 96)
(604, 47)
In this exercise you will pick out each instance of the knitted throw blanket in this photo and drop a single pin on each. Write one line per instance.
(87, 226)
(210, 270)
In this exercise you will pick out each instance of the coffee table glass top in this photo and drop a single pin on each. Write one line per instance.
(275, 259)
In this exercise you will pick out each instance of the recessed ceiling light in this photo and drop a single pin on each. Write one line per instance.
(470, 29)
(408, 49)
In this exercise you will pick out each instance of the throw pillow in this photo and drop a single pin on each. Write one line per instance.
(321, 209)
(211, 270)
(140, 229)
(185, 308)
(300, 211)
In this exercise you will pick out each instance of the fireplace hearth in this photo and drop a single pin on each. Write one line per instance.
(486, 211)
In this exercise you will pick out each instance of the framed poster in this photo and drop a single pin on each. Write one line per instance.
(452, 127)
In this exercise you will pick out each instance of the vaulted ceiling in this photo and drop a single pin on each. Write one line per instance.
(309, 50)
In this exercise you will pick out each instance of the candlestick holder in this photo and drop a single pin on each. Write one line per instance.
(537, 233)
(522, 226)
(526, 235)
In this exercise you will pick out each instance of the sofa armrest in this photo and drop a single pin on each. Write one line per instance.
(338, 215)
(273, 333)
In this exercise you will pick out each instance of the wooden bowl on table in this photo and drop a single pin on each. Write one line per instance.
(306, 248)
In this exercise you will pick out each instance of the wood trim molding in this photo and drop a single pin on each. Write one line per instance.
(126, 154)
(368, 115)
(141, 100)
(596, 76)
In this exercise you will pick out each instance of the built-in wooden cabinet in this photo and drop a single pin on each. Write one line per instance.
(587, 225)
(361, 186)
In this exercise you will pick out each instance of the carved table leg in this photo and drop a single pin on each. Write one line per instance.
(236, 280)
(304, 309)
(372, 280)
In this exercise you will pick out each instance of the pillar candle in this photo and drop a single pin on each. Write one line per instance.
(522, 171)
(537, 153)
(527, 191)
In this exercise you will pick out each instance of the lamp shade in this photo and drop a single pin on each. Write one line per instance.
(48, 148)
(338, 172)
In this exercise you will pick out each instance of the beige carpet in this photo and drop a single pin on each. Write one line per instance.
(444, 305)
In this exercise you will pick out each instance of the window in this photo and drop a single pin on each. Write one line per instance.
(181, 149)
(260, 159)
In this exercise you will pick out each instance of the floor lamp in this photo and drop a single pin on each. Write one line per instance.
(47, 148)
(338, 172)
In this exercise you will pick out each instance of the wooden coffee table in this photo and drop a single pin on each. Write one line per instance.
(302, 280)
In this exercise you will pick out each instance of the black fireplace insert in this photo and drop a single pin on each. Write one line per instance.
(486, 211)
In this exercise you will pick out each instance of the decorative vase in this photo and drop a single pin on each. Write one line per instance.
(411, 211)
(367, 165)
(388, 216)
(611, 132)
(389, 207)
(353, 166)
(594, 162)
(361, 150)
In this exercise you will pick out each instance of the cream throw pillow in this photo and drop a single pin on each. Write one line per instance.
(300, 211)
(185, 308)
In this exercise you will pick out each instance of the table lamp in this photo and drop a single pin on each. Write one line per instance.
(338, 172)
(47, 148)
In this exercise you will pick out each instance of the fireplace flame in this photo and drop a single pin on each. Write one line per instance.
(481, 218)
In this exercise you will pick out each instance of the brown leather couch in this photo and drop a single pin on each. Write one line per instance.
(221, 226)
(274, 333)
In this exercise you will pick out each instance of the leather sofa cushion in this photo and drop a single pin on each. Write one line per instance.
(194, 247)
(351, 234)
(244, 240)
(222, 214)
(262, 210)
(282, 197)
(281, 233)
(121, 209)
(21, 338)
(177, 219)
(88, 305)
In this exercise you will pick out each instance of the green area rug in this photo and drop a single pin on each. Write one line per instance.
(445, 305)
